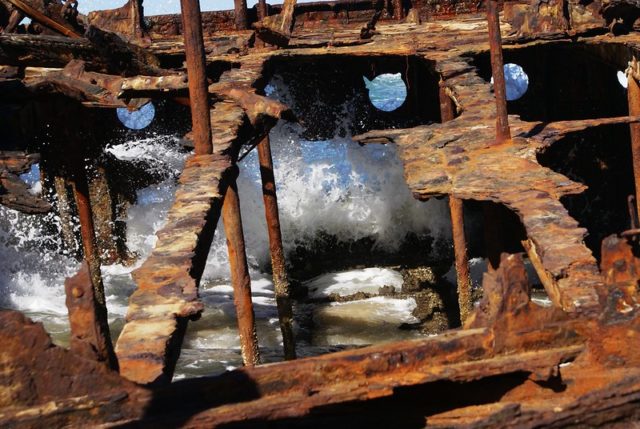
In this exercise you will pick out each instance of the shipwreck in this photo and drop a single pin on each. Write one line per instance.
(509, 362)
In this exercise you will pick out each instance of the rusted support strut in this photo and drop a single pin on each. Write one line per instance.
(492, 218)
(240, 9)
(457, 226)
(495, 44)
(462, 260)
(197, 74)
(633, 94)
(280, 280)
(43, 19)
(263, 10)
(398, 10)
(97, 304)
(66, 215)
(240, 279)
(201, 118)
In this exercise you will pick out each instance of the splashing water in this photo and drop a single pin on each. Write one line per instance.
(332, 187)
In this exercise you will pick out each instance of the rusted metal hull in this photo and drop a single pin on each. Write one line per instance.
(513, 364)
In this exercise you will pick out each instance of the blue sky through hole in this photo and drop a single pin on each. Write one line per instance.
(387, 91)
(160, 7)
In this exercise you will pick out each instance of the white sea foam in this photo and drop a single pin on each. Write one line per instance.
(34, 262)
(346, 283)
(333, 187)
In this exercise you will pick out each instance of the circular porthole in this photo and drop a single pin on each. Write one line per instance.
(137, 119)
(516, 81)
(387, 91)
(622, 79)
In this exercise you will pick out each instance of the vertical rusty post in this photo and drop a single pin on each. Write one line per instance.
(398, 10)
(633, 94)
(462, 261)
(457, 225)
(197, 74)
(263, 12)
(262, 9)
(633, 214)
(87, 231)
(240, 7)
(137, 19)
(87, 338)
(497, 67)
(280, 280)
(240, 280)
(66, 213)
(492, 215)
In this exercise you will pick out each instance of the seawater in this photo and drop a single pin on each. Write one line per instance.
(333, 187)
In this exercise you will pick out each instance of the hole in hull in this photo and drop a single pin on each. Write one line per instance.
(566, 80)
(601, 159)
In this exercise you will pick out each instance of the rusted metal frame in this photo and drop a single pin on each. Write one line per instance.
(231, 216)
(197, 74)
(633, 214)
(263, 12)
(368, 30)
(398, 9)
(137, 19)
(633, 95)
(633, 232)
(495, 44)
(43, 19)
(104, 346)
(240, 279)
(65, 212)
(492, 215)
(465, 303)
(277, 29)
(240, 10)
(14, 20)
(263, 9)
(278, 266)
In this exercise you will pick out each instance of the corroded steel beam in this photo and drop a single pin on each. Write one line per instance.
(398, 9)
(280, 279)
(98, 306)
(276, 29)
(633, 95)
(263, 10)
(495, 44)
(16, 194)
(64, 209)
(105, 52)
(465, 301)
(197, 72)
(240, 9)
(127, 19)
(447, 113)
(87, 331)
(43, 19)
(240, 279)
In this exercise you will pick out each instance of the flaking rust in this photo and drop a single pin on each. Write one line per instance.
(512, 364)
